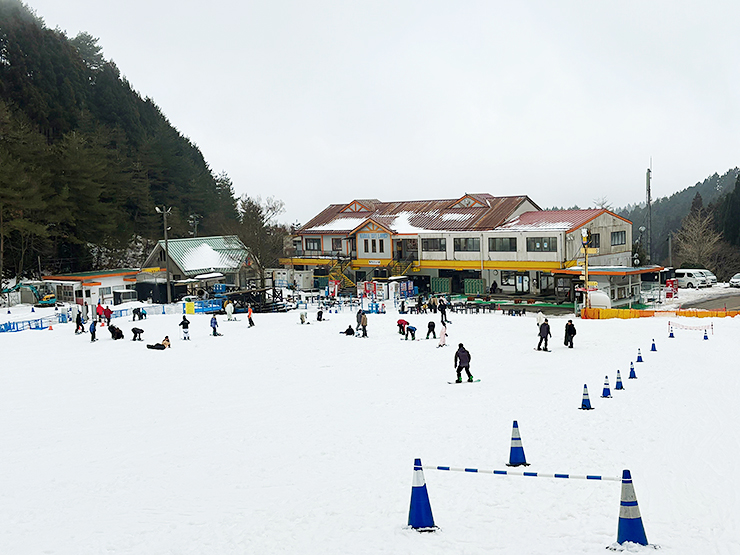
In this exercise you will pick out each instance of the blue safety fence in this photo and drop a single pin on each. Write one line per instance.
(35, 324)
(205, 306)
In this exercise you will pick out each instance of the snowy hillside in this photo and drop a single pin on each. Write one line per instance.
(286, 438)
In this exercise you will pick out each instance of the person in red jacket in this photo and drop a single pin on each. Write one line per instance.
(108, 313)
(402, 326)
(249, 316)
(99, 311)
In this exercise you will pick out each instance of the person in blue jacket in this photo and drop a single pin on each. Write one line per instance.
(92, 331)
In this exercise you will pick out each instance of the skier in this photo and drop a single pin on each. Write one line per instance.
(544, 333)
(249, 316)
(185, 324)
(430, 329)
(363, 324)
(402, 326)
(570, 333)
(214, 325)
(92, 331)
(443, 310)
(540, 319)
(229, 311)
(462, 362)
(137, 334)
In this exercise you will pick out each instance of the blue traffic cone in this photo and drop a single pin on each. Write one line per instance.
(420, 511)
(706, 337)
(607, 393)
(163, 310)
(619, 381)
(670, 335)
(632, 375)
(639, 356)
(32, 310)
(586, 402)
(653, 347)
(516, 455)
(630, 522)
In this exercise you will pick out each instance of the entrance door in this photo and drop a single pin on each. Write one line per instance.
(522, 283)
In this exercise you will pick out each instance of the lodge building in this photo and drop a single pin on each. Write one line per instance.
(465, 245)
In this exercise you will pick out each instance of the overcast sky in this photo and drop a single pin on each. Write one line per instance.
(318, 102)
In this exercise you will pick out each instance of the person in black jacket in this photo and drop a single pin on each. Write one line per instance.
(185, 324)
(137, 334)
(430, 329)
(462, 362)
(544, 334)
(570, 333)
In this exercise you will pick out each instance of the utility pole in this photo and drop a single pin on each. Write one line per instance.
(164, 211)
(649, 218)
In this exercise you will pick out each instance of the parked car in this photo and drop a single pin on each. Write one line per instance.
(711, 278)
(735, 281)
(691, 278)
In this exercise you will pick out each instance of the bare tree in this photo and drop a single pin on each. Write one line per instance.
(697, 242)
(603, 202)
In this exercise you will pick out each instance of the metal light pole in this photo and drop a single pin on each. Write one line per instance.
(164, 211)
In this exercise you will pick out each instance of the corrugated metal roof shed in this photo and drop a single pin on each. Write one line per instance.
(225, 253)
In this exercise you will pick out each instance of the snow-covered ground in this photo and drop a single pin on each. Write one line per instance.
(286, 438)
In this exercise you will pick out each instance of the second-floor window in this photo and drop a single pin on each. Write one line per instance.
(381, 246)
(434, 245)
(619, 238)
(336, 244)
(542, 244)
(502, 244)
(375, 246)
(467, 244)
(313, 244)
(595, 240)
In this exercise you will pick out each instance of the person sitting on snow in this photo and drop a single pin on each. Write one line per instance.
(349, 331)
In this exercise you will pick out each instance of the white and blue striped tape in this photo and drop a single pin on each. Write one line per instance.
(523, 473)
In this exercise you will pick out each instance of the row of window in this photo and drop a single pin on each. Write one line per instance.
(472, 244)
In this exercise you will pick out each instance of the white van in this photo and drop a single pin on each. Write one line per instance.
(711, 278)
(691, 278)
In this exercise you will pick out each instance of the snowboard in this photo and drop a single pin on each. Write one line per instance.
(543, 350)
(464, 381)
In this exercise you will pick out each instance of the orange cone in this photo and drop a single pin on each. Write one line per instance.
(50, 327)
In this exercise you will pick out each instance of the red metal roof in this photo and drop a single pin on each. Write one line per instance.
(566, 220)
(418, 215)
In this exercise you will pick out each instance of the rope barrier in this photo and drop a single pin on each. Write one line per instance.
(523, 473)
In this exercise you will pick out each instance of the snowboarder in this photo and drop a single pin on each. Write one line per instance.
(214, 325)
(410, 330)
(319, 315)
(137, 334)
(303, 316)
(229, 311)
(92, 331)
(142, 314)
(442, 337)
(402, 326)
(359, 319)
(249, 316)
(363, 324)
(115, 332)
(78, 322)
(108, 314)
(185, 324)
(136, 313)
(165, 344)
(433, 304)
(100, 312)
(430, 329)
(570, 333)
(462, 362)
(349, 331)
(544, 334)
